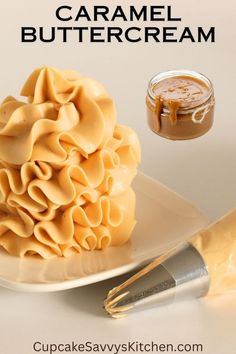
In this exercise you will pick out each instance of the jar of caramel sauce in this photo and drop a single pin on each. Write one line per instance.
(180, 104)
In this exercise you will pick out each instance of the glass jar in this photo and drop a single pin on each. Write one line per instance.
(185, 118)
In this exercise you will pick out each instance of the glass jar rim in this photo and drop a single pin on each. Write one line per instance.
(175, 73)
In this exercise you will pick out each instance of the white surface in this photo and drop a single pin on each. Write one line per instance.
(203, 170)
(163, 218)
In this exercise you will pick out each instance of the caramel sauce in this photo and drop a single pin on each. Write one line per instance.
(176, 92)
(184, 89)
(170, 104)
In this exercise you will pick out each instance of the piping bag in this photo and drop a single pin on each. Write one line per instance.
(205, 265)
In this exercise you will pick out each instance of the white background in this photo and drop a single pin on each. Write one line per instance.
(202, 170)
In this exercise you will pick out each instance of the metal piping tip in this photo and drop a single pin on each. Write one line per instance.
(179, 274)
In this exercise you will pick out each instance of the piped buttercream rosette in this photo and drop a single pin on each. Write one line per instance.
(66, 168)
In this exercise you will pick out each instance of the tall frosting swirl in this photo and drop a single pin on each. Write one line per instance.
(66, 168)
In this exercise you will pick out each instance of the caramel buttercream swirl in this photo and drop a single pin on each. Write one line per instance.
(64, 86)
(23, 139)
(65, 168)
(110, 221)
(18, 222)
(34, 185)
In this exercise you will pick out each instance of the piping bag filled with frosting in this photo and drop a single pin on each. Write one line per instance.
(206, 265)
(66, 168)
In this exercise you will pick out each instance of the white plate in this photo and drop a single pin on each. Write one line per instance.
(163, 220)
